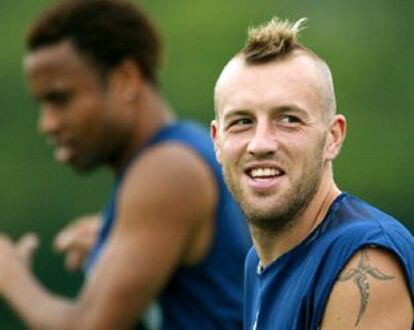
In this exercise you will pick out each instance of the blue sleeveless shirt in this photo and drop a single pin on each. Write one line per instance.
(208, 295)
(292, 292)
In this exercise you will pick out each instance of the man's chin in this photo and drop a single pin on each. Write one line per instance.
(269, 214)
(270, 222)
(82, 167)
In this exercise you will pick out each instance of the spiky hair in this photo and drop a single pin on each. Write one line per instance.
(273, 39)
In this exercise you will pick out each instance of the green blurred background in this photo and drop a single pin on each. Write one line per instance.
(368, 45)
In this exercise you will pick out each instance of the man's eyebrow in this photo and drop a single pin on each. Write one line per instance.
(289, 108)
(235, 113)
(286, 108)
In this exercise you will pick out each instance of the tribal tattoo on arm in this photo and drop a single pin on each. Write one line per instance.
(360, 275)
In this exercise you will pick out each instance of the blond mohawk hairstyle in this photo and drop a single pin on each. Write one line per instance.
(273, 39)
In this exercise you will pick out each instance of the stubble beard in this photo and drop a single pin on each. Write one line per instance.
(102, 154)
(289, 206)
(86, 163)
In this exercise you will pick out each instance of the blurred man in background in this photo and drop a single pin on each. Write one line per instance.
(322, 259)
(170, 231)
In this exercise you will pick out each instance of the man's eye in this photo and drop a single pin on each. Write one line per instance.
(241, 122)
(237, 124)
(57, 98)
(290, 119)
(61, 98)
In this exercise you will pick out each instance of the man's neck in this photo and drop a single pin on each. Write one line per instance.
(149, 114)
(270, 246)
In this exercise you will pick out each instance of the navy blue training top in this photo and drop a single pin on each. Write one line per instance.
(292, 292)
(208, 295)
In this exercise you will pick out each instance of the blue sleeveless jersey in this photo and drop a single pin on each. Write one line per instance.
(208, 295)
(292, 292)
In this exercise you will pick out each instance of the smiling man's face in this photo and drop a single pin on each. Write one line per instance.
(270, 136)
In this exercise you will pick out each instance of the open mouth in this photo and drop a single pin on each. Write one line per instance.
(64, 149)
(64, 153)
(264, 173)
(264, 178)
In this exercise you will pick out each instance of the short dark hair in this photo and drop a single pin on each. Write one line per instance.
(108, 31)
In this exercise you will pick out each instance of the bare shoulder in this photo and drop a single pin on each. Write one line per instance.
(169, 171)
(171, 187)
(370, 293)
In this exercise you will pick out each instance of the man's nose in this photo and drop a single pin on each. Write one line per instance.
(263, 142)
(50, 120)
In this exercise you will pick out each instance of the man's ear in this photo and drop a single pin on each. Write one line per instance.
(214, 132)
(127, 80)
(336, 137)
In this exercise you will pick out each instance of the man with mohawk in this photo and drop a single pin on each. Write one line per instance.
(322, 258)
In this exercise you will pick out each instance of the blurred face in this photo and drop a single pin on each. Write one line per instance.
(270, 136)
(77, 112)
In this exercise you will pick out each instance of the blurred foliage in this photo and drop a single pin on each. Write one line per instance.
(367, 44)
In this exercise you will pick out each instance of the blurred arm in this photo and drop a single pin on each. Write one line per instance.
(165, 210)
(371, 293)
(77, 239)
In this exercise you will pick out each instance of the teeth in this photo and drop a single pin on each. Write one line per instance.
(264, 172)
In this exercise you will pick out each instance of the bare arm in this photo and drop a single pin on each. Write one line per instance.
(371, 293)
(164, 220)
(20, 288)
